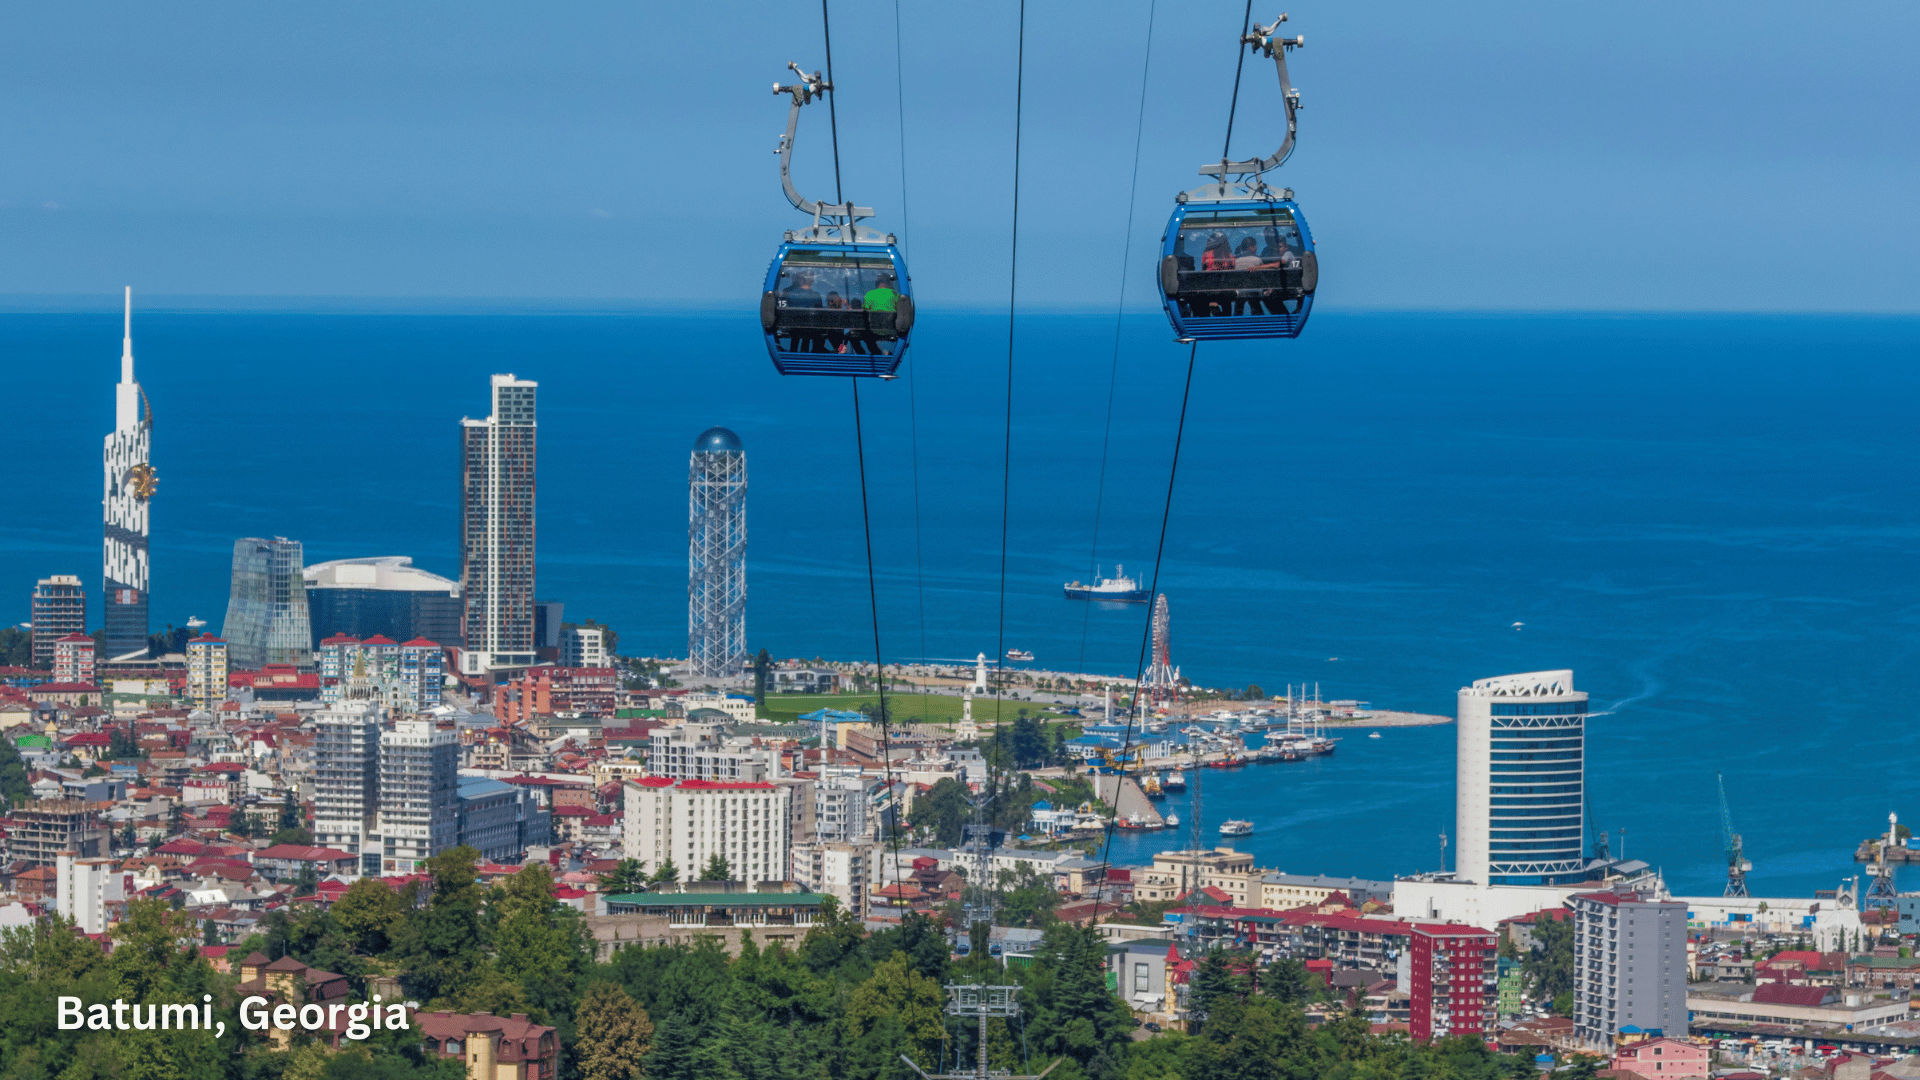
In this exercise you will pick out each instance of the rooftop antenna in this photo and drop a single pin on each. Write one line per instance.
(1443, 851)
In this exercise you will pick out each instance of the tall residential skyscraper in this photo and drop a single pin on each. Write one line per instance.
(130, 483)
(346, 777)
(267, 608)
(59, 609)
(419, 797)
(496, 530)
(1519, 800)
(1629, 965)
(717, 555)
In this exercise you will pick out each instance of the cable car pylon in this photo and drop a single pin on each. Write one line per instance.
(1237, 259)
(837, 299)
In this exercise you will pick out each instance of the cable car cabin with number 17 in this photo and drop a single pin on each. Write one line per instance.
(837, 309)
(1237, 259)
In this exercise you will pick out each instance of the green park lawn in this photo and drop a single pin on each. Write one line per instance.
(907, 707)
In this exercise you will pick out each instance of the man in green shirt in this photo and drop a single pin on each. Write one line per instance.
(881, 297)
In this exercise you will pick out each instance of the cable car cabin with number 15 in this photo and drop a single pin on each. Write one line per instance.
(837, 299)
(842, 309)
(1237, 259)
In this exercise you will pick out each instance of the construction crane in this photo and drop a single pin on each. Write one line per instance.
(1737, 864)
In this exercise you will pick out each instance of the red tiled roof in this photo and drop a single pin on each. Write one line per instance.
(340, 639)
(210, 637)
(420, 643)
(301, 853)
(73, 637)
(715, 785)
(64, 688)
(1783, 994)
(379, 639)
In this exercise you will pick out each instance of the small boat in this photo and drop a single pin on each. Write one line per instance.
(1019, 654)
(1236, 828)
(1375, 735)
(1173, 821)
(1174, 781)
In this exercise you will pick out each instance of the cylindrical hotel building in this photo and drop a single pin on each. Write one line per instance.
(1520, 798)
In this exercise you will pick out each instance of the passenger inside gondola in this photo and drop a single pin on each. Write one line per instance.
(848, 293)
(1247, 242)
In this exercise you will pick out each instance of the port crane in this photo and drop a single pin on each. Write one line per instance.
(1737, 864)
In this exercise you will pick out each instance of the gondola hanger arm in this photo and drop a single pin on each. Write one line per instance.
(808, 89)
(1261, 39)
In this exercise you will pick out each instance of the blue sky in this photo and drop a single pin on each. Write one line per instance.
(1639, 156)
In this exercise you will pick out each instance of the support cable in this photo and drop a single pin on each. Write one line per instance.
(866, 517)
(1013, 280)
(1119, 310)
(913, 410)
(1246, 21)
(1146, 635)
(833, 116)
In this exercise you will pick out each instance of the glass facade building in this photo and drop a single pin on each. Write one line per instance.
(497, 530)
(1520, 800)
(267, 621)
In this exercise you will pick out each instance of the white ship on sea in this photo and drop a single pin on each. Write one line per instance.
(1119, 588)
(1236, 828)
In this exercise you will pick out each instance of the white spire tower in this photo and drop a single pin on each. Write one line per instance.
(129, 484)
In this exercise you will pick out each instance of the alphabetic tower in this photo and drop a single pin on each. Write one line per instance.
(717, 555)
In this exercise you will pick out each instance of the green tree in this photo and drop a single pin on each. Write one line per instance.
(442, 950)
(897, 993)
(296, 835)
(612, 1034)
(942, 810)
(1076, 1015)
(13, 774)
(667, 872)
(1547, 969)
(1289, 981)
(630, 876)
(540, 944)
(368, 913)
(716, 869)
(762, 677)
(1214, 978)
(1026, 899)
(16, 647)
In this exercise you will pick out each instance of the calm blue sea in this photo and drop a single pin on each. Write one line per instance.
(1712, 520)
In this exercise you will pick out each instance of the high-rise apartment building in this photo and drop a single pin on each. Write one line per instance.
(1629, 965)
(690, 821)
(1519, 800)
(386, 596)
(206, 672)
(130, 483)
(583, 646)
(419, 794)
(267, 608)
(717, 555)
(1453, 981)
(346, 778)
(497, 530)
(73, 659)
(59, 609)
